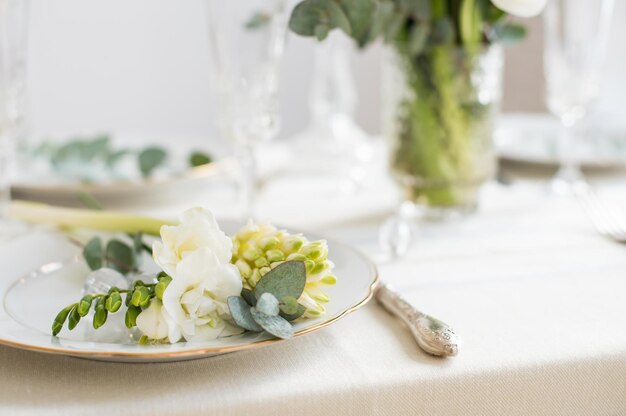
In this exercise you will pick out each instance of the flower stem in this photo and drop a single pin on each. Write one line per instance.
(81, 218)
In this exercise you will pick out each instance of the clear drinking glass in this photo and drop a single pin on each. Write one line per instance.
(246, 41)
(333, 143)
(576, 35)
(13, 16)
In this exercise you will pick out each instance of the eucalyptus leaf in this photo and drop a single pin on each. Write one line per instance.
(360, 14)
(309, 14)
(93, 253)
(89, 201)
(418, 38)
(119, 256)
(258, 20)
(509, 33)
(150, 159)
(289, 305)
(114, 156)
(138, 247)
(380, 20)
(198, 159)
(300, 310)
(240, 311)
(268, 304)
(286, 279)
(275, 325)
(248, 296)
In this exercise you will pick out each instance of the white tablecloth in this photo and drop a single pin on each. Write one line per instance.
(537, 296)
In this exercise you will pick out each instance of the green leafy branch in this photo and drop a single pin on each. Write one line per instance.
(100, 149)
(421, 24)
(136, 299)
(273, 303)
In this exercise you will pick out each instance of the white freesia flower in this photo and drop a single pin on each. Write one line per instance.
(521, 8)
(197, 229)
(195, 300)
(153, 322)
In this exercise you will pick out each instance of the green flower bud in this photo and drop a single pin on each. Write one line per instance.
(256, 247)
(321, 297)
(254, 277)
(113, 302)
(84, 305)
(329, 280)
(261, 261)
(100, 317)
(73, 319)
(250, 252)
(274, 255)
(244, 268)
(269, 242)
(296, 257)
(160, 287)
(309, 264)
(314, 250)
(59, 320)
(319, 267)
(141, 296)
(131, 316)
(293, 243)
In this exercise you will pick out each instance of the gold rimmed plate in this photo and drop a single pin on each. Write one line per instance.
(31, 302)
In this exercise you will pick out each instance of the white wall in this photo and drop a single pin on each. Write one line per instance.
(141, 66)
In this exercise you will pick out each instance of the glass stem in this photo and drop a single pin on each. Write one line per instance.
(6, 169)
(248, 186)
(569, 170)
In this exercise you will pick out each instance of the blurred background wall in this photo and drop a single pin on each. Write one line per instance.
(141, 66)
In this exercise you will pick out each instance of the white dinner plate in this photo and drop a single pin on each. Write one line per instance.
(532, 138)
(32, 301)
(36, 179)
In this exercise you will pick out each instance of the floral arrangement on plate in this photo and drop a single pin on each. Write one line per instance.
(101, 159)
(209, 285)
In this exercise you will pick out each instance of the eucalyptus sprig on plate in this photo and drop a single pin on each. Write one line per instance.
(76, 158)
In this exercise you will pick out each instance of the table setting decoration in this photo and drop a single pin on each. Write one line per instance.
(106, 167)
(193, 292)
(445, 86)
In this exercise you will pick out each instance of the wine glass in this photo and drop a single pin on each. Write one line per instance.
(333, 143)
(576, 35)
(246, 42)
(13, 17)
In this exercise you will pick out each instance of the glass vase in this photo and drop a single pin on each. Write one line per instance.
(439, 115)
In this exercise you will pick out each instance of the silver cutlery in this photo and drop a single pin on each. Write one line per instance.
(432, 335)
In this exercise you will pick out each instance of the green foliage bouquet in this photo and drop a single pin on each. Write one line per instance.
(445, 82)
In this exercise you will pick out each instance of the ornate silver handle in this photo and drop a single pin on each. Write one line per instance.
(432, 335)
